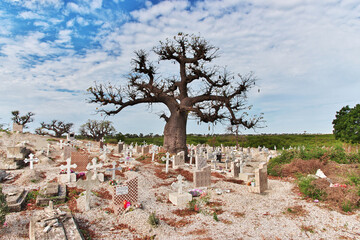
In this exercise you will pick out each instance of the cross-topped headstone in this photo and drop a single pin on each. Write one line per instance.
(113, 169)
(68, 167)
(179, 184)
(31, 159)
(89, 145)
(94, 167)
(167, 159)
(191, 156)
(153, 151)
(88, 184)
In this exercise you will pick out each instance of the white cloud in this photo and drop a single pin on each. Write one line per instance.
(64, 36)
(30, 15)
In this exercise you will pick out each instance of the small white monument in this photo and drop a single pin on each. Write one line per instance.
(31, 160)
(180, 198)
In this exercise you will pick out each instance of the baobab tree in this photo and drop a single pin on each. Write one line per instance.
(207, 92)
(22, 120)
(96, 129)
(58, 127)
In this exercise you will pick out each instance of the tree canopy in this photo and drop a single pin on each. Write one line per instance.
(22, 120)
(97, 129)
(347, 124)
(207, 92)
(58, 127)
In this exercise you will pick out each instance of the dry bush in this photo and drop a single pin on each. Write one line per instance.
(302, 166)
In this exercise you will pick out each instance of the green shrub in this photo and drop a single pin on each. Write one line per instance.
(347, 206)
(307, 188)
(215, 217)
(153, 220)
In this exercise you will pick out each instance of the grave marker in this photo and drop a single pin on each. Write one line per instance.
(125, 192)
(31, 159)
(202, 178)
(68, 167)
(81, 160)
(113, 169)
(88, 184)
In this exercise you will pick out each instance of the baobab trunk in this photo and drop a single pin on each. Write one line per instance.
(175, 133)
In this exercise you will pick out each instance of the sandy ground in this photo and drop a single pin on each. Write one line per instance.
(278, 214)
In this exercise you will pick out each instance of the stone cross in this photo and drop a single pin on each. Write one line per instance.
(31, 159)
(214, 162)
(48, 149)
(226, 163)
(61, 144)
(89, 144)
(153, 151)
(94, 167)
(106, 150)
(167, 159)
(88, 184)
(68, 167)
(179, 184)
(241, 165)
(114, 169)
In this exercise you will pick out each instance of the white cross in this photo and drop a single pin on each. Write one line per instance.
(153, 150)
(31, 160)
(61, 144)
(167, 159)
(89, 145)
(126, 159)
(88, 184)
(214, 162)
(180, 184)
(191, 155)
(94, 167)
(102, 139)
(114, 169)
(241, 165)
(68, 167)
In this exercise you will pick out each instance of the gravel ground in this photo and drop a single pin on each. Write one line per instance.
(278, 214)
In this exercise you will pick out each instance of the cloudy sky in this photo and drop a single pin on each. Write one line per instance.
(306, 55)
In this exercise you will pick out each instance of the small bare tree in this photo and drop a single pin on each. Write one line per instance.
(58, 127)
(22, 120)
(97, 129)
(209, 93)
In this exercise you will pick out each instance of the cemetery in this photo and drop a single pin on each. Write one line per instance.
(96, 190)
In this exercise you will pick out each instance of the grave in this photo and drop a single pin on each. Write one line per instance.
(17, 128)
(202, 178)
(200, 162)
(124, 192)
(167, 159)
(180, 198)
(81, 160)
(69, 177)
(14, 158)
(31, 160)
(261, 180)
(51, 192)
(113, 169)
(120, 147)
(16, 200)
(68, 150)
(179, 160)
(235, 169)
(94, 167)
(88, 184)
(54, 224)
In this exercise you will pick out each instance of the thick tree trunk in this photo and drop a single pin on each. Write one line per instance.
(175, 133)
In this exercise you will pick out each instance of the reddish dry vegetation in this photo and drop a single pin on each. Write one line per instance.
(61, 163)
(84, 225)
(72, 194)
(183, 212)
(173, 223)
(31, 203)
(217, 175)
(122, 226)
(237, 181)
(186, 174)
(238, 214)
(14, 179)
(161, 174)
(110, 210)
(197, 232)
(296, 210)
(302, 166)
(104, 193)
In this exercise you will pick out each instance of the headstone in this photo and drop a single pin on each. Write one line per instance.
(180, 198)
(68, 167)
(261, 180)
(202, 178)
(113, 169)
(120, 147)
(48, 150)
(61, 144)
(81, 160)
(235, 169)
(17, 128)
(70, 137)
(214, 162)
(179, 160)
(154, 150)
(68, 150)
(88, 184)
(167, 159)
(191, 156)
(200, 162)
(125, 192)
(94, 167)
(31, 160)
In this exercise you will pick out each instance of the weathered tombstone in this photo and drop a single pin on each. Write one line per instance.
(48, 150)
(70, 177)
(31, 160)
(81, 160)
(145, 149)
(125, 192)
(179, 198)
(89, 145)
(88, 184)
(261, 180)
(18, 128)
(52, 192)
(191, 156)
(235, 169)
(16, 200)
(120, 147)
(202, 178)
(94, 167)
(68, 150)
(200, 162)
(70, 137)
(179, 160)
(154, 150)
(61, 144)
(214, 162)
(113, 169)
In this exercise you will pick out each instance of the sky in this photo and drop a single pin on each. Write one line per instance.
(305, 55)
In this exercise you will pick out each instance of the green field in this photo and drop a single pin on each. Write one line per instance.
(269, 141)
